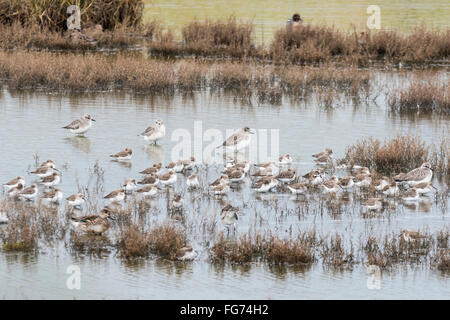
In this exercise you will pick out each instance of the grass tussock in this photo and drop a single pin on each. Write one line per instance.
(166, 240)
(21, 233)
(52, 14)
(335, 254)
(133, 242)
(421, 97)
(272, 249)
(399, 154)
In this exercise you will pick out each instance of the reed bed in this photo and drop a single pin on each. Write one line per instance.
(399, 154)
(52, 14)
(95, 72)
(229, 38)
(421, 97)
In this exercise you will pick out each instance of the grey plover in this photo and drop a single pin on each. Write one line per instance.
(155, 132)
(80, 126)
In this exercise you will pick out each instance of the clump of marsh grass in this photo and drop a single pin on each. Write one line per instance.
(335, 254)
(421, 97)
(133, 242)
(21, 233)
(166, 240)
(395, 155)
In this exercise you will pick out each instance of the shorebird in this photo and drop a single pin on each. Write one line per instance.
(422, 174)
(285, 159)
(80, 126)
(315, 177)
(129, 185)
(391, 190)
(287, 176)
(186, 254)
(94, 223)
(53, 196)
(327, 153)
(177, 202)
(52, 180)
(347, 182)
(411, 236)
(150, 179)
(168, 178)
(357, 170)
(14, 192)
(123, 155)
(155, 132)
(238, 140)
(219, 181)
(14, 183)
(262, 186)
(331, 186)
(155, 169)
(244, 165)
(148, 190)
(229, 216)
(48, 163)
(189, 164)
(192, 181)
(384, 181)
(29, 193)
(265, 172)
(410, 195)
(298, 188)
(221, 189)
(374, 204)
(363, 180)
(3, 217)
(424, 187)
(44, 171)
(176, 166)
(76, 200)
(115, 196)
(237, 175)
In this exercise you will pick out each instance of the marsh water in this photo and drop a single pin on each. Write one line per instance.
(270, 15)
(30, 127)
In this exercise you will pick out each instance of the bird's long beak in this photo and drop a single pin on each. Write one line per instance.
(93, 119)
(251, 132)
(56, 170)
(433, 187)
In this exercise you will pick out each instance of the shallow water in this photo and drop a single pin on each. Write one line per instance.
(30, 124)
(269, 15)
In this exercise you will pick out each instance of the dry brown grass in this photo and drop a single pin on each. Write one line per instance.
(395, 155)
(335, 254)
(166, 240)
(21, 233)
(51, 14)
(421, 97)
(133, 242)
(251, 248)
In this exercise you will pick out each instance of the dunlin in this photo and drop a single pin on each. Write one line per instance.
(238, 140)
(176, 166)
(48, 163)
(287, 176)
(80, 126)
(148, 190)
(298, 188)
(14, 183)
(155, 169)
(52, 180)
(123, 155)
(43, 172)
(424, 187)
(264, 172)
(363, 180)
(219, 181)
(410, 195)
(94, 223)
(262, 186)
(422, 174)
(192, 181)
(150, 179)
(186, 254)
(315, 177)
(168, 178)
(285, 159)
(53, 196)
(189, 164)
(392, 190)
(129, 185)
(347, 182)
(221, 189)
(76, 200)
(29, 193)
(14, 192)
(332, 185)
(383, 182)
(327, 153)
(177, 202)
(356, 170)
(115, 196)
(374, 204)
(155, 132)
(229, 216)
(237, 175)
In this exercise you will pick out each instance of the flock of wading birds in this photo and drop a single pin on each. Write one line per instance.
(271, 177)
